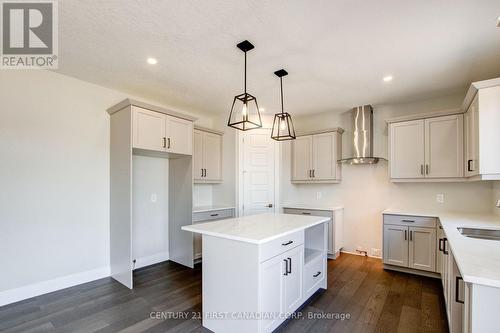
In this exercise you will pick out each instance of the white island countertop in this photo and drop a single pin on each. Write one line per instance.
(477, 259)
(256, 229)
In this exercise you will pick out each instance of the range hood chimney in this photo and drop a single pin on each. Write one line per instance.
(362, 141)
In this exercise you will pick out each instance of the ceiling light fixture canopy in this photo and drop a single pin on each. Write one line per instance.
(245, 114)
(282, 124)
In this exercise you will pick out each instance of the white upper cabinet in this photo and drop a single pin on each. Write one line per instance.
(157, 131)
(406, 150)
(427, 148)
(314, 158)
(482, 134)
(207, 156)
(179, 134)
(444, 147)
(148, 131)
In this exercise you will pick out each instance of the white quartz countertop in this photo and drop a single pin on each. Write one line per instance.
(256, 229)
(477, 259)
(201, 209)
(312, 207)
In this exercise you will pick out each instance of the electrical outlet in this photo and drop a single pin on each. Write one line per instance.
(440, 198)
(376, 252)
(154, 198)
(319, 195)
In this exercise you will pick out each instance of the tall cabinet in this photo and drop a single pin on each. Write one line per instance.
(142, 129)
(314, 157)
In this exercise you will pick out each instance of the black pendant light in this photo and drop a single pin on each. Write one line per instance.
(282, 124)
(245, 113)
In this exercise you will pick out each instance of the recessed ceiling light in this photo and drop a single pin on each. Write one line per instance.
(152, 61)
(387, 78)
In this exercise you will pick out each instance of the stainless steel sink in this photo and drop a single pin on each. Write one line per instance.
(480, 233)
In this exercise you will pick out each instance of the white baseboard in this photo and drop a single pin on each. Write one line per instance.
(151, 260)
(359, 254)
(44, 287)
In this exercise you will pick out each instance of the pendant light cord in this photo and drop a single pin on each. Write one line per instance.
(281, 83)
(245, 76)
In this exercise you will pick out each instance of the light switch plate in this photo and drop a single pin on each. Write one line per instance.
(440, 198)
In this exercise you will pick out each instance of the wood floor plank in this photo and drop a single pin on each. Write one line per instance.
(375, 300)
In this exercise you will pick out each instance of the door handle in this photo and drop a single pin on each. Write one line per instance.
(314, 174)
(205, 172)
(469, 168)
(406, 231)
(427, 169)
(202, 173)
(168, 143)
(317, 274)
(310, 173)
(286, 266)
(439, 244)
(444, 246)
(411, 236)
(164, 142)
(457, 283)
(422, 169)
(290, 265)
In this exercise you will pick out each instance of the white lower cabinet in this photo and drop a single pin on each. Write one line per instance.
(410, 241)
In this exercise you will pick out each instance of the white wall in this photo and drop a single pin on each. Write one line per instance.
(496, 196)
(54, 181)
(365, 190)
(202, 195)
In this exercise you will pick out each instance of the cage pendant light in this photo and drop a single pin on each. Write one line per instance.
(245, 113)
(282, 124)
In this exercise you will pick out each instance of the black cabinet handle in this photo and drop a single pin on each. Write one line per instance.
(314, 174)
(168, 143)
(406, 231)
(408, 221)
(411, 235)
(214, 214)
(164, 142)
(440, 243)
(290, 265)
(444, 246)
(201, 172)
(317, 274)
(306, 213)
(287, 243)
(457, 282)
(469, 168)
(286, 266)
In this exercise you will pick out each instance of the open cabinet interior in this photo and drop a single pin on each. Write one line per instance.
(316, 242)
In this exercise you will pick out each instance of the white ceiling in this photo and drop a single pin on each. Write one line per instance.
(336, 52)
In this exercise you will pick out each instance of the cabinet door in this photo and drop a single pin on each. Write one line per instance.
(272, 274)
(293, 279)
(422, 248)
(302, 158)
(324, 162)
(212, 156)
(198, 155)
(179, 133)
(456, 300)
(471, 128)
(444, 147)
(396, 245)
(406, 151)
(148, 129)
(439, 252)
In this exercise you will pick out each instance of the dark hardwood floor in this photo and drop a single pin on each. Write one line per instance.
(361, 297)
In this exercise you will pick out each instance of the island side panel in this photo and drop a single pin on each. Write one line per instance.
(230, 284)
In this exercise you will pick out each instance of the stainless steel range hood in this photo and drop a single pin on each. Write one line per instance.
(362, 140)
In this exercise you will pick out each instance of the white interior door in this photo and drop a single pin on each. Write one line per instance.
(258, 179)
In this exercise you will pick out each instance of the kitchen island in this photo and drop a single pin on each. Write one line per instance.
(259, 269)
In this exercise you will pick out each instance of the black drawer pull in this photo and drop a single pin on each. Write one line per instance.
(408, 221)
(457, 283)
(290, 265)
(287, 243)
(317, 274)
(214, 214)
(440, 244)
(444, 246)
(286, 266)
(306, 213)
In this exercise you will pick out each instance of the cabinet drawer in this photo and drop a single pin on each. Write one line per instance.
(312, 212)
(280, 245)
(418, 221)
(213, 215)
(314, 273)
